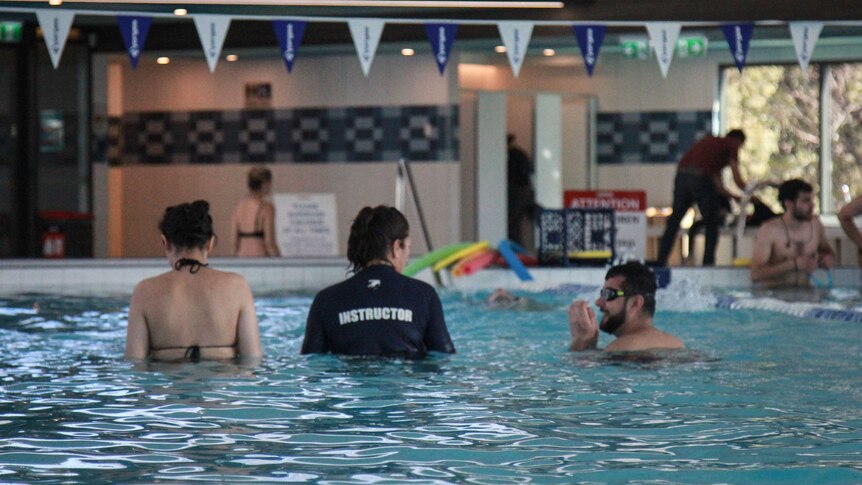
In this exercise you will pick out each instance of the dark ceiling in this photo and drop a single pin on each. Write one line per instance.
(169, 34)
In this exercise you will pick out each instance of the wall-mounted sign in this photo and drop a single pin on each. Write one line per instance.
(305, 224)
(629, 214)
(258, 95)
(10, 31)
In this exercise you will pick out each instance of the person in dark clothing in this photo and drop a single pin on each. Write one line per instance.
(698, 181)
(377, 311)
(519, 190)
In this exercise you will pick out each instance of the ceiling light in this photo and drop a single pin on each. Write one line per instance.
(231, 57)
(407, 52)
(549, 52)
(500, 49)
(347, 3)
(180, 12)
(163, 60)
(55, 3)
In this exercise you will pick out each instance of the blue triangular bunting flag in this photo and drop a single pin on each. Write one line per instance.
(442, 37)
(738, 38)
(289, 34)
(134, 30)
(590, 41)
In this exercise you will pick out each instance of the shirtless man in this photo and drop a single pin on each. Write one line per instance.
(191, 312)
(845, 216)
(789, 248)
(627, 302)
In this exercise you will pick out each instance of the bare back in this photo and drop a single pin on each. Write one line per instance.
(649, 338)
(211, 309)
(253, 227)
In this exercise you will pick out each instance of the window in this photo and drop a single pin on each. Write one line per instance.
(780, 109)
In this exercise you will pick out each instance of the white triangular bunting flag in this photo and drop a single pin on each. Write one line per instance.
(516, 38)
(212, 29)
(366, 35)
(805, 35)
(663, 37)
(55, 26)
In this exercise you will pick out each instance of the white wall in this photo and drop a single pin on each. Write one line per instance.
(318, 81)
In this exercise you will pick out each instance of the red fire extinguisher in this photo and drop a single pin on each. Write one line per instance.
(53, 243)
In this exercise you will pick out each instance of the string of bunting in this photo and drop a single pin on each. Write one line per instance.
(366, 33)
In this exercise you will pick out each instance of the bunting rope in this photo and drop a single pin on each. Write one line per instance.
(366, 33)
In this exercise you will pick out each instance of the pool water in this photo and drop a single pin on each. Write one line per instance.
(760, 397)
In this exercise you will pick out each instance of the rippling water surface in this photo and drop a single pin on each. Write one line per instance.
(760, 398)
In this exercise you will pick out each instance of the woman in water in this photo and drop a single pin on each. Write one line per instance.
(378, 311)
(191, 312)
(252, 232)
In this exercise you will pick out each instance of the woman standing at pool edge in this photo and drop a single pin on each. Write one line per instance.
(191, 312)
(252, 232)
(378, 311)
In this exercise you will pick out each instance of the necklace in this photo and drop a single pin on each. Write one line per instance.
(798, 245)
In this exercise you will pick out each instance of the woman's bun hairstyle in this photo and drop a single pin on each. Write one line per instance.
(372, 233)
(188, 225)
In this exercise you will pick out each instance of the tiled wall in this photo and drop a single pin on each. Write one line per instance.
(650, 136)
(361, 134)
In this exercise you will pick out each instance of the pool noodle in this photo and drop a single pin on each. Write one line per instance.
(432, 257)
(474, 263)
(508, 249)
(459, 255)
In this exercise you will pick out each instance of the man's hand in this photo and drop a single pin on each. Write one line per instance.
(827, 260)
(806, 263)
(582, 326)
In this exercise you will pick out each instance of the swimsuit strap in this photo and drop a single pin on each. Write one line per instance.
(258, 217)
(193, 352)
(193, 264)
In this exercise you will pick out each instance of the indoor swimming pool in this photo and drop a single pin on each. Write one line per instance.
(761, 396)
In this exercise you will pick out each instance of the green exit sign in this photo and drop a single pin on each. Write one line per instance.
(691, 46)
(10, 31)
(635, 48)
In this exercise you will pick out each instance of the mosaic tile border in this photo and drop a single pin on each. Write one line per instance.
(650, 136)
(317, 135)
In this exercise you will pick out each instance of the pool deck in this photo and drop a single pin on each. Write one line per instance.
(267, 275)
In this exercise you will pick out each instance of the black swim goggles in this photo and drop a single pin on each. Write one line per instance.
(610, 294)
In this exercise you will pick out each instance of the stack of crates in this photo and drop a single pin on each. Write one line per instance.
(576, 236)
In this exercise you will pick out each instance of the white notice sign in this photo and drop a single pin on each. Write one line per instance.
(305, 224)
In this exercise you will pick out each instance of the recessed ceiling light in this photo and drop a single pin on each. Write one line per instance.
(179, 12)
(55, 3)
(500, 49)
(231, 57)
(407, 52)
(163, 60)
(549, 52)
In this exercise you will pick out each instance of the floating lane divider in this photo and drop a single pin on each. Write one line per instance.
(475, 262)
(433, 257)
(799, 309)
(459, 255)
(508, 249)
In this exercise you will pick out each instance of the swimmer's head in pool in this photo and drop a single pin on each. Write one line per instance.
(188, 225)
(373, 233)
(637, 279)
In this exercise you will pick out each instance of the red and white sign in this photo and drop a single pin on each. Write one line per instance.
(629, 216)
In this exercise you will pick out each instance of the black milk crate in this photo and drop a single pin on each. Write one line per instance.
(576, 236)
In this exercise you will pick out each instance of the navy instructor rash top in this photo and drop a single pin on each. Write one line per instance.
(378, 311)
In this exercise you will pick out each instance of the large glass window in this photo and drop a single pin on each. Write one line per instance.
(778, 107)
(845, 82)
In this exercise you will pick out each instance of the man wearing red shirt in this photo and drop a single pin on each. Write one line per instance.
(698, 181)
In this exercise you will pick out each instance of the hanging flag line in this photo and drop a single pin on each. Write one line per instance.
(366, 33)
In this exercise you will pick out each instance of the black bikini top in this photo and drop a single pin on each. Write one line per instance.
(193, 264)
(193, 352)
(258, 225)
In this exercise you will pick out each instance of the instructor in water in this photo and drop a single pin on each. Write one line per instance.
(378, 311)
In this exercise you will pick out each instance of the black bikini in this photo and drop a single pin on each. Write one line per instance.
(258, 226)
(193, 352)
